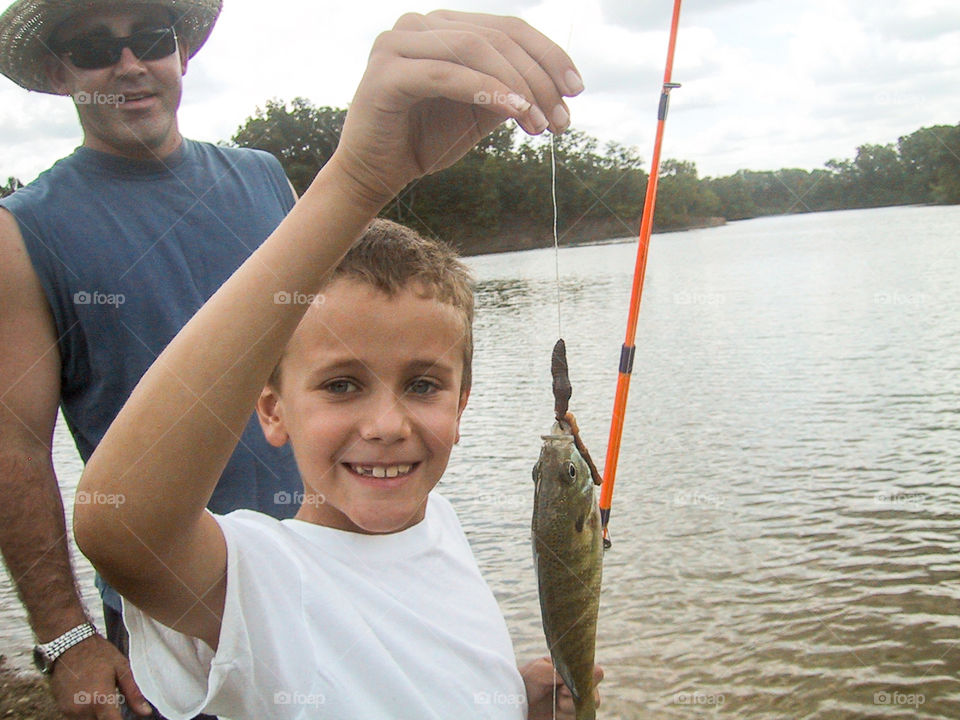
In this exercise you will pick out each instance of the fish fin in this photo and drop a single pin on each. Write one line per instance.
(567, 678)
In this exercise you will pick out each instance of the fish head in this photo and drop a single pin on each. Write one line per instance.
(561, 468)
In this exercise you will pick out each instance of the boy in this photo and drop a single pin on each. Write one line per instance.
(383, 612)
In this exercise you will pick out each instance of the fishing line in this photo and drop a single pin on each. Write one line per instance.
(554, 689)
(556, 237)
(556, 211)
(556, 258)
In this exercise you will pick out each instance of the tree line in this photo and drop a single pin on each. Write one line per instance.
(502, 188)
(499, 196)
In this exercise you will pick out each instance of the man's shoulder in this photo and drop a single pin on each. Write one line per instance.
(45, 183)
(232, 153)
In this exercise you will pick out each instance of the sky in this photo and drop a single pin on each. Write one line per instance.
(766, 84)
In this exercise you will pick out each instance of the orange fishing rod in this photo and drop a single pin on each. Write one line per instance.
(629, 348)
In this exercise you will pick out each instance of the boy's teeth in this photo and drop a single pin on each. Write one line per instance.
(382, 471)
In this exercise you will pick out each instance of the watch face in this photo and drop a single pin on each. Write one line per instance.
(41, 661)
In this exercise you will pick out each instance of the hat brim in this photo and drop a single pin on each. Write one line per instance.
(26, 27)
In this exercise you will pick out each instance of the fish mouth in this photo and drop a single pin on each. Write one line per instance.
(381, 470)
(565, 436)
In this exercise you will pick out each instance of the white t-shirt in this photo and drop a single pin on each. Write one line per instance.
(322, 623)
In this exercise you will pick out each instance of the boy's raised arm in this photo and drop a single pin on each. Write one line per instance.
(434, 86)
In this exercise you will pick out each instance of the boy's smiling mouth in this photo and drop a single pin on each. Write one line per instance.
(380, 470)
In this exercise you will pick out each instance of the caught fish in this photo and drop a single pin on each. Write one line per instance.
(568, 546)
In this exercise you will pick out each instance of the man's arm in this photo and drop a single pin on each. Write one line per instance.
(33, 536)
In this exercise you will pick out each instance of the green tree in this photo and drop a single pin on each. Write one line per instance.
(878, 176)
(682, 199)
(501, 188)
(13, 184)
(301, 136)
(931, 158)
(735, 201)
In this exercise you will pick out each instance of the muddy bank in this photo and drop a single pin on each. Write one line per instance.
(24, 696)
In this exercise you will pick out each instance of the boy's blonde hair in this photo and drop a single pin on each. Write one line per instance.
(390, 256)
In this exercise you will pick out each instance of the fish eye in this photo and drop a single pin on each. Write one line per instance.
(572, 469)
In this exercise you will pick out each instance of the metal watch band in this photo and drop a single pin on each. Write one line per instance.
(55, 648)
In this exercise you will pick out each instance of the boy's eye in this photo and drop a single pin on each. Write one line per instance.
(423, 386)
(340, 387)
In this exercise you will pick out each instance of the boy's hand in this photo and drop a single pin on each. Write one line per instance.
(437, 84)
(539, 678)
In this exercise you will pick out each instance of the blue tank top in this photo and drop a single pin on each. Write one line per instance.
(127, 252)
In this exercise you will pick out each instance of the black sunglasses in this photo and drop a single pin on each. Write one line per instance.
(95, 53)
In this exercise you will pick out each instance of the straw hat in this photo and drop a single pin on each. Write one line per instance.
(26, 27)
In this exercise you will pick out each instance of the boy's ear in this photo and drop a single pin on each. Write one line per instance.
(271, 419)
(464, 396)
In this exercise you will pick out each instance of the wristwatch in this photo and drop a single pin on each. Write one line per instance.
(44, 656)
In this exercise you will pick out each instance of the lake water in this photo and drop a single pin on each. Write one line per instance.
(786, 520)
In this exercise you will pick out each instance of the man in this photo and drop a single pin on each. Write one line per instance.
(105, 256)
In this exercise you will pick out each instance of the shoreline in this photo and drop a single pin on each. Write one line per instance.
(527, 236)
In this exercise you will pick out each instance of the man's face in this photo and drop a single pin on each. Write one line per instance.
(371, 397)
(129, 108)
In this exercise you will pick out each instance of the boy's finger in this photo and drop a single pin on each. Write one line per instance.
(462, 48)
(537, 45)
(544, 91)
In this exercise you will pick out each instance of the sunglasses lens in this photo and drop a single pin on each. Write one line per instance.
(95, 53)
(98, 53)
(153, 44)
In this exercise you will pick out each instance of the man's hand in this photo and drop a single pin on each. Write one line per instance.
(539, 678)
(86, 678)
(437, 84)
